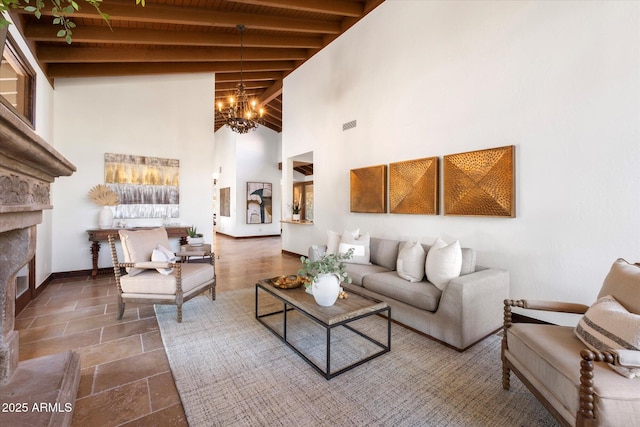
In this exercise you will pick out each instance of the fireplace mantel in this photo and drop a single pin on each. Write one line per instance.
(28, 166)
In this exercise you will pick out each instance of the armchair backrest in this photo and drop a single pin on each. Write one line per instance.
(138, 245)
(623, 283)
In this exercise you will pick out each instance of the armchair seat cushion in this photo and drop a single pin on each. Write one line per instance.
(550, 356)
(151, 282)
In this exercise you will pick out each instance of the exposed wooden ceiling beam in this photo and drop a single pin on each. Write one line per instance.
(271, 93)
(247, 77)
(140, 36)
(73, 54)
(207, 17)
(227, 87)
(136, 69)
(331, 7)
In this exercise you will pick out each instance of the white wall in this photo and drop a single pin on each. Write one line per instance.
(252, 157)
(159, 116)
(559, 80)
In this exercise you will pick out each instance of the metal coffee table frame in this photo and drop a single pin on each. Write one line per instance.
(289, 305)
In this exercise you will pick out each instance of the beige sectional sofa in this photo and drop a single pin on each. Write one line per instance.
(467, 310)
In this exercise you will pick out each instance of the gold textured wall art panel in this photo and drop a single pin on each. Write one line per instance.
(413, 186)
(480, 183)
(369, 189)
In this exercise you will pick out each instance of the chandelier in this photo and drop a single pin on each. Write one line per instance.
(240, 113)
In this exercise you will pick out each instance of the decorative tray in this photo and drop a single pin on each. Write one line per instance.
(287, 282)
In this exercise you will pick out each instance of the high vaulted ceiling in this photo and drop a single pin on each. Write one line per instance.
(191, 36)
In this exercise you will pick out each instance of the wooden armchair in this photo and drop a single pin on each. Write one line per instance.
(559, 369)
(153, 275)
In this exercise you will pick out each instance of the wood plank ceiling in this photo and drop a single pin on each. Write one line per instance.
(192, 36)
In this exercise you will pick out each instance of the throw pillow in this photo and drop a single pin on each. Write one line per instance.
(162, 254)
(443, 263)
(411, 261)
(333, 241)
(607, 325)
(360, 245)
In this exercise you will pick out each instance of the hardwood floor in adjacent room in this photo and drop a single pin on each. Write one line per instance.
(125, 376)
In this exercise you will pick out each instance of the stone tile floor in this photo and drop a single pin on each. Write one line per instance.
(125, 374)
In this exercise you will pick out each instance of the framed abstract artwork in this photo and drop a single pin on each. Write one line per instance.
(259, 203)
(480, 183)
(368, 191)
(413, 187)
(225, 201)
(148, 187)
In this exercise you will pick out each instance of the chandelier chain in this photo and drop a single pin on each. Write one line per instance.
(241, 114)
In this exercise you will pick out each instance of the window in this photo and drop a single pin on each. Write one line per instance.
(17, 82)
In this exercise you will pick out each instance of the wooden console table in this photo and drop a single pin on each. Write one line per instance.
(102, 234)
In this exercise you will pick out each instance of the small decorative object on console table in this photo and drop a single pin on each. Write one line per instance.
(194, 238)
(295, 211)
(326, 274)
(104, 196)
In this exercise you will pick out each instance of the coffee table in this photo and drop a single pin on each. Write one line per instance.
(341, 314)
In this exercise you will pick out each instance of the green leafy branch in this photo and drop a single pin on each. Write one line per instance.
(60, 9)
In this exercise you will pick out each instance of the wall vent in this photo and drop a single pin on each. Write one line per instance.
(349, 125)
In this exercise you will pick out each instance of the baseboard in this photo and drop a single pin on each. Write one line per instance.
(22, 302)
(291, 254)
(247, 237)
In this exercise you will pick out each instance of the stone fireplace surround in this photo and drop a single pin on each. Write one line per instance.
(38, 391)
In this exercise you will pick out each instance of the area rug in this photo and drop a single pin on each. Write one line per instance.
(232, 371)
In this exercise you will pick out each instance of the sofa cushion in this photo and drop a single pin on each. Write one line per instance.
(607, 325)
(623, 283)
(137, 245)
(551, 355)
(150, 282)
(384, 252)
(333, 241)
(360, 246)
(444, 262)
(357, 272)
(411, 259)
(422, 295)
(468, 261)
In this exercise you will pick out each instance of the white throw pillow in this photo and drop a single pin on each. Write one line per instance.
(360, 245)
(607, 325)
(162, 254)
(333, 239)
(411, 261)
(443, 263)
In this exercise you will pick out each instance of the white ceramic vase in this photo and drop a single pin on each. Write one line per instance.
(295, 217)
(326, 288)
(105, 219)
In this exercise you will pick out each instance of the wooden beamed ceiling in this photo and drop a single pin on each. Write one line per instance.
(195, 36)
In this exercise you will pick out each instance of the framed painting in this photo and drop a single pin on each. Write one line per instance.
(225, 201)
(413, 187)
(480, 183)
(259, 203)
(148, 187)
(368, 192)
